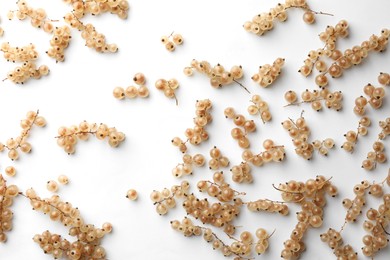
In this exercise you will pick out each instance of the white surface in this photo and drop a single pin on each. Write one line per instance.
(81, 87)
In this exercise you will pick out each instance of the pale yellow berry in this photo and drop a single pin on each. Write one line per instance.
(132, 194)
(63, 179)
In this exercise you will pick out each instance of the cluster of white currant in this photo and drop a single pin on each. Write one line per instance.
(217, 214)
(87, 245)
(335, 242)
(264, 22)
(330, 37)
(59, 247)
(27, 55)
(354, 207)
(300, 133)
(262, 243)
(377, 221)
(242, 248)
(311, 196)
(59, 42)
(242, 173)
(166, 199)
(198, 134)
(19, 54)
(14, 145)
(97, 7)
(268, 73)
(96, 40)
(186, 168)
(375, 94)
(29, 69)
(169, 44)
(168, 87)
(323, 146)
(7, 194)
(342, 60)
(217, 159)
(260, 107)
(377, 155)
(68, 136)
(38, 17)
(244, 127)
(219, 189)
(268, 206)
(315, 57)
(132, 91)
(272, 152)
(352, 136)
(217, 74)
(315, 98)
(385, 126)
(93, 39)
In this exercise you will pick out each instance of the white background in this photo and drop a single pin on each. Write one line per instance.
(81, 89)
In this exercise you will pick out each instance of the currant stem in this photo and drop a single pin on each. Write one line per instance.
(241, 85)
(177, 101)
(305, 7)
(281, 190)
(25, 133)
(273, 201)
(45, 202)
(232, 237)
(322, 13)
(271, 234)
(302, 102)
(384, 230)
(77, 133)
